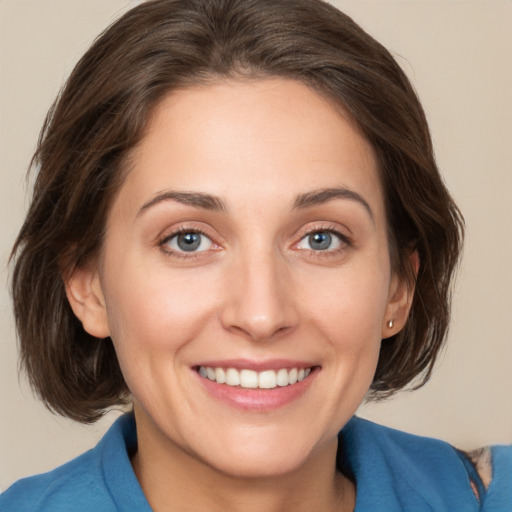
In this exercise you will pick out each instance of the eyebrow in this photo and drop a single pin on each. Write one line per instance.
(196, 199)
(321, 196)
(213, 203)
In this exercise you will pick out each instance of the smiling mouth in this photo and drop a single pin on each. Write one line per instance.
(250, 379)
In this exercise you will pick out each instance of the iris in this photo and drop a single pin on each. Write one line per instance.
(320, 241)
(189, 241)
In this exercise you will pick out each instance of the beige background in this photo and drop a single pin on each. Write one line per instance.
(458, 55)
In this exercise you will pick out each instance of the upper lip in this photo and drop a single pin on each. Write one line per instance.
(258, 366)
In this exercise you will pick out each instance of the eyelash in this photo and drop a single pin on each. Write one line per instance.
(182, 254)
(346, 242)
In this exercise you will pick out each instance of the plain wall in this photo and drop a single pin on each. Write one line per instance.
(457, 54)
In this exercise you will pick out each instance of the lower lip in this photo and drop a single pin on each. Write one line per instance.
(251, 399)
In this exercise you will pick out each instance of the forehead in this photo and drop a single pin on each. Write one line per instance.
(260, 139)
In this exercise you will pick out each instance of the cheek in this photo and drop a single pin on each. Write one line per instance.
(348, 313)
(350, 304)
(156, 309)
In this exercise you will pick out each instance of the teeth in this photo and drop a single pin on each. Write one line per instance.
(268, 379)
(220, 375)
(232, 377)
(282, 377)
(248, 379)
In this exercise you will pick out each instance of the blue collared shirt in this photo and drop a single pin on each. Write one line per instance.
(393, 471)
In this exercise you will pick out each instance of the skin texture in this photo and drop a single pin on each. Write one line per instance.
(254, 290)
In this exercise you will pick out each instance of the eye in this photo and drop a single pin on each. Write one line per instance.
(188, 241)
(320, 241)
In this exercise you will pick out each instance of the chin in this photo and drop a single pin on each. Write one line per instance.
(259, 465)
(254, 455)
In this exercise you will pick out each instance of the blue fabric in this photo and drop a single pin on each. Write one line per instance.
(396, 471)
(100, 480)
(393, 471)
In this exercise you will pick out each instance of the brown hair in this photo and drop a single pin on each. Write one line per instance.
(160, 46)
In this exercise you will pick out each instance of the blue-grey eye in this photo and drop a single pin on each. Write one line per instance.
(190, 241)
(320, 241)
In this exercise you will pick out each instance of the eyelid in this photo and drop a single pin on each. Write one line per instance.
(305, 239)
(310, 228)
(345, 239)
(305, 231)
(163, 240)
(173, 242)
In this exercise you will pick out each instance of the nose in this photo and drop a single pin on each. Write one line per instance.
(259, 302)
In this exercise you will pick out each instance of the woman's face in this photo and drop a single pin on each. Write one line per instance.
(247, 243)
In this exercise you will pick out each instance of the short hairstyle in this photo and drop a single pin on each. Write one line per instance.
(101, 114)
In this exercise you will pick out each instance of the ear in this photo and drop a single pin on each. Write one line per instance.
(401, 293)
(85, 296)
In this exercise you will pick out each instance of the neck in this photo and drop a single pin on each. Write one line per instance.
(173, 479)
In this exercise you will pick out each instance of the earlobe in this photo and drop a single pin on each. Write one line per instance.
(400, 300)
(86, 298)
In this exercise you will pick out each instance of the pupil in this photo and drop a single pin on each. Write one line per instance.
(189, 241)
(320, 241)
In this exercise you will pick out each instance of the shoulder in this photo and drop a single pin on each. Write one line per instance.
(76, 486)
(100, 480)
(426, 473)
(492, 466)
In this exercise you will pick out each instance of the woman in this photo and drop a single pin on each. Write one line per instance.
(238, 225)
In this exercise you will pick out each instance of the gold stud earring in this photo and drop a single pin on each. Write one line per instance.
(391, 324)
